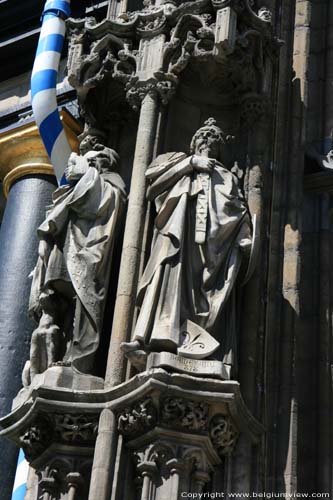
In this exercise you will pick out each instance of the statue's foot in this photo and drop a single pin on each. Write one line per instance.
(134, 352)
(128, 347)
(138, 359)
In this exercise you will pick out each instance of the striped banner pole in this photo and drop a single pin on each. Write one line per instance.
(45, 109)
(44, 82)
(20, 484)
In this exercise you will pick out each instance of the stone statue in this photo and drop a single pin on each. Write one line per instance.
(70, 280)
(202, 240)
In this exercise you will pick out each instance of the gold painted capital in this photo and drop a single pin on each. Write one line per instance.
(22, 151)
(23, 170)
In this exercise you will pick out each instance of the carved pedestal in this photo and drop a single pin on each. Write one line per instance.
(176, 427)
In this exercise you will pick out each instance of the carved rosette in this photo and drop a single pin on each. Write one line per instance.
(253, 108)
(223, 434)
(67, 429)
(71, 428)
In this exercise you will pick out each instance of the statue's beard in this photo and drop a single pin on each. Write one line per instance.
(206, 145)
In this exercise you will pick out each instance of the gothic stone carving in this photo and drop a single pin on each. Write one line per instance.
(67, 428)
(223, 434)
(73, 428)
(70, 279)
(64, 477)
(177, 414)
(166, 469)
(188, 192)
(184, 414)
(37, 438)
(138, 419)
(148, 50)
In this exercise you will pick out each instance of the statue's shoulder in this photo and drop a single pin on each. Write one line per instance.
(173, 157)
(163, 162)
(116, 180)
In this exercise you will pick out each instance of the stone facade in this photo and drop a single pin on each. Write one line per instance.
(210, 369)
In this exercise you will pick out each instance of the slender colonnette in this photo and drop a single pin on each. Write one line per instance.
(45, 109)
(44, 82)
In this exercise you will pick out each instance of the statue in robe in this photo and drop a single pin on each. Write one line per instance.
(201, 246)
(70, 280)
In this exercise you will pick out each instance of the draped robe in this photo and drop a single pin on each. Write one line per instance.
(79, 231)
(182, 279)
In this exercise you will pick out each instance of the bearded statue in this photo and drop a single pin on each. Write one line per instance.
(201, 247)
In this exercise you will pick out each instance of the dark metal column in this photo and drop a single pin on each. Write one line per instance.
(28, 183)
(25, 210)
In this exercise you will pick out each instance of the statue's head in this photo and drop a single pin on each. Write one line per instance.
(265, 14)
(90, 142)
(209, 140)
(103, 159)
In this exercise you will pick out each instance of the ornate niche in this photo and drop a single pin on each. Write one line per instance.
(222, 45)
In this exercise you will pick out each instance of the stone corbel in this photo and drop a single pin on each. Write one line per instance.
(178, 434)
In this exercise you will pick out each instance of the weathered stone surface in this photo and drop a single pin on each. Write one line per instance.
(208, 368)
(71, 277)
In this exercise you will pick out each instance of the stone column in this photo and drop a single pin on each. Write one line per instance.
(125, 302)
(124, 307)
(28, 183)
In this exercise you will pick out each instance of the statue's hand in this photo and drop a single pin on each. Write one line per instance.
(76, 168)
(328, 160)
(44, 250)
(203, 164)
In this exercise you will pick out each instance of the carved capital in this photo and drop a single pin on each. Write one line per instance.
(63, 474)
(161, 87)
(153, 457)
(48, 480)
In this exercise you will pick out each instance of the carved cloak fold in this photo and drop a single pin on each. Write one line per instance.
(184, 280)
(79, 232)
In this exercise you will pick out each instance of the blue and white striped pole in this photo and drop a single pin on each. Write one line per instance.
(44, 82)
(20, 484)
(45, 109)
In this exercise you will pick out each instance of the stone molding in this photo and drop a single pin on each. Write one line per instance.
(150, 397)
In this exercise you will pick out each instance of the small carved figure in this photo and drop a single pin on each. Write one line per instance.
(265, 14)
(203, 235)
(70, 279)
(327, 162)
